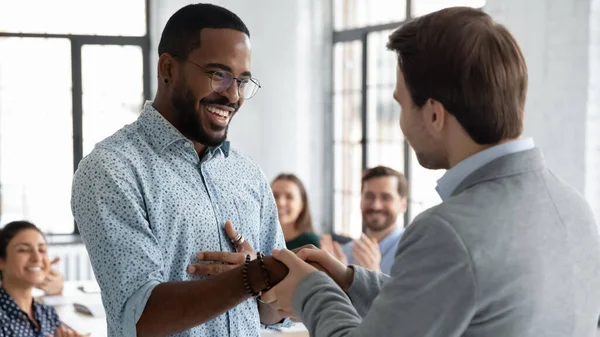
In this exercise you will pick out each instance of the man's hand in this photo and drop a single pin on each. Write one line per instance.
(280, 296)
(54, 282)
(366, 253)
(218, 262)
(322, 260)
(333, 248)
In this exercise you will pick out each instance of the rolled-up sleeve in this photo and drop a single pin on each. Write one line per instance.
(108, 206)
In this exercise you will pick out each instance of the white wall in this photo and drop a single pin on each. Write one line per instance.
(592, 177)
(284, 128)
(562, 105)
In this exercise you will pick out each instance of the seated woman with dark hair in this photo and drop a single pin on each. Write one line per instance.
(24, 264)
(294, 211)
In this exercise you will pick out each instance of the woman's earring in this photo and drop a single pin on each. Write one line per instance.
(166, 80)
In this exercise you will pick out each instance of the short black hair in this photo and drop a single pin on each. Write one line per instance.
(182, 32)
(8, 232)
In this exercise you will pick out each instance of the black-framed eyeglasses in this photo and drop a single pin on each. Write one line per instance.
(222, 80)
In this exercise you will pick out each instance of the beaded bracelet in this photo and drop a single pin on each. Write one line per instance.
(245, 277)
(265, 272)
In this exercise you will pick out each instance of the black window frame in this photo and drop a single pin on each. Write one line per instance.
(361, 34)
(77, 42)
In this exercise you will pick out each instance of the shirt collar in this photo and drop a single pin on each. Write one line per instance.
(453, 177)
(9, 303)
(162, 134)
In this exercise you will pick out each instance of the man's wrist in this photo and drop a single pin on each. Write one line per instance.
(346, 283)
(276, 273)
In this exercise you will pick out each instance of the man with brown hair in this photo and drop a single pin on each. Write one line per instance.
(383, 201)
(511, 251)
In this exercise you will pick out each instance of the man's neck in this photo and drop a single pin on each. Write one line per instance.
(466, 148)
(200, 149)
(22, 295)
(380, 235)
(165, 108)
(168, 112)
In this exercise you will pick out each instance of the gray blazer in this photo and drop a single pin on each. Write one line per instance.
(514, 252)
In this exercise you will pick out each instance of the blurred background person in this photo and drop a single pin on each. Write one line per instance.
(384, 194)
(54, 283)
(24, 264)
(294, 211)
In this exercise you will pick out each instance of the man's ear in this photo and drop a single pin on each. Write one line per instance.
(435, 117)
(404, 204)
(166, 65)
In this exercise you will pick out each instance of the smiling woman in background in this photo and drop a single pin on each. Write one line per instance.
(294, 211)
(24, 264)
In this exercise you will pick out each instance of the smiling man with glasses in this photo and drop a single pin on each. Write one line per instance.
(154, 199)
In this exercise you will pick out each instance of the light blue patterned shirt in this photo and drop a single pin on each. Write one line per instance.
(454, 176)
(145, 204)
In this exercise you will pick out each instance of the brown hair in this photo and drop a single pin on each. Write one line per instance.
(470, 64)
(384, 171)
(304, 222)
(8, 232)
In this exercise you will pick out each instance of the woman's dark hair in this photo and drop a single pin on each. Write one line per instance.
(8, 232)
(304, 222)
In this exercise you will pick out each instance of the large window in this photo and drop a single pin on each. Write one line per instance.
(65, 84)
(366, 117)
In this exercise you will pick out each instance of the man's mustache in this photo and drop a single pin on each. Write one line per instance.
(221, 101)
(369, 212)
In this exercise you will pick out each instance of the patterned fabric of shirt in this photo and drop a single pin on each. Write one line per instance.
(14, 321)
(145, 204)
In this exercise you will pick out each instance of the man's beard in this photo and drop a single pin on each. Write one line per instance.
(388, 222)
(189, 121)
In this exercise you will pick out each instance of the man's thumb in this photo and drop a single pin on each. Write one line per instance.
(287, 257)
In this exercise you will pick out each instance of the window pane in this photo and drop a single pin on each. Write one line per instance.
(348, 170)
(347, 117)
(422, 186)
(361, 13)
(389, 154)
(382, 63)
(422, 7)
(347, 123)
(347, 72)
(386, 143)
(36, 145)
(83, 17)
(110, 102)
(384, 115)
(348, 223)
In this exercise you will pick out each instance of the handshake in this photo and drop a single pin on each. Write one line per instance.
(300, 263)
(285, 269)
